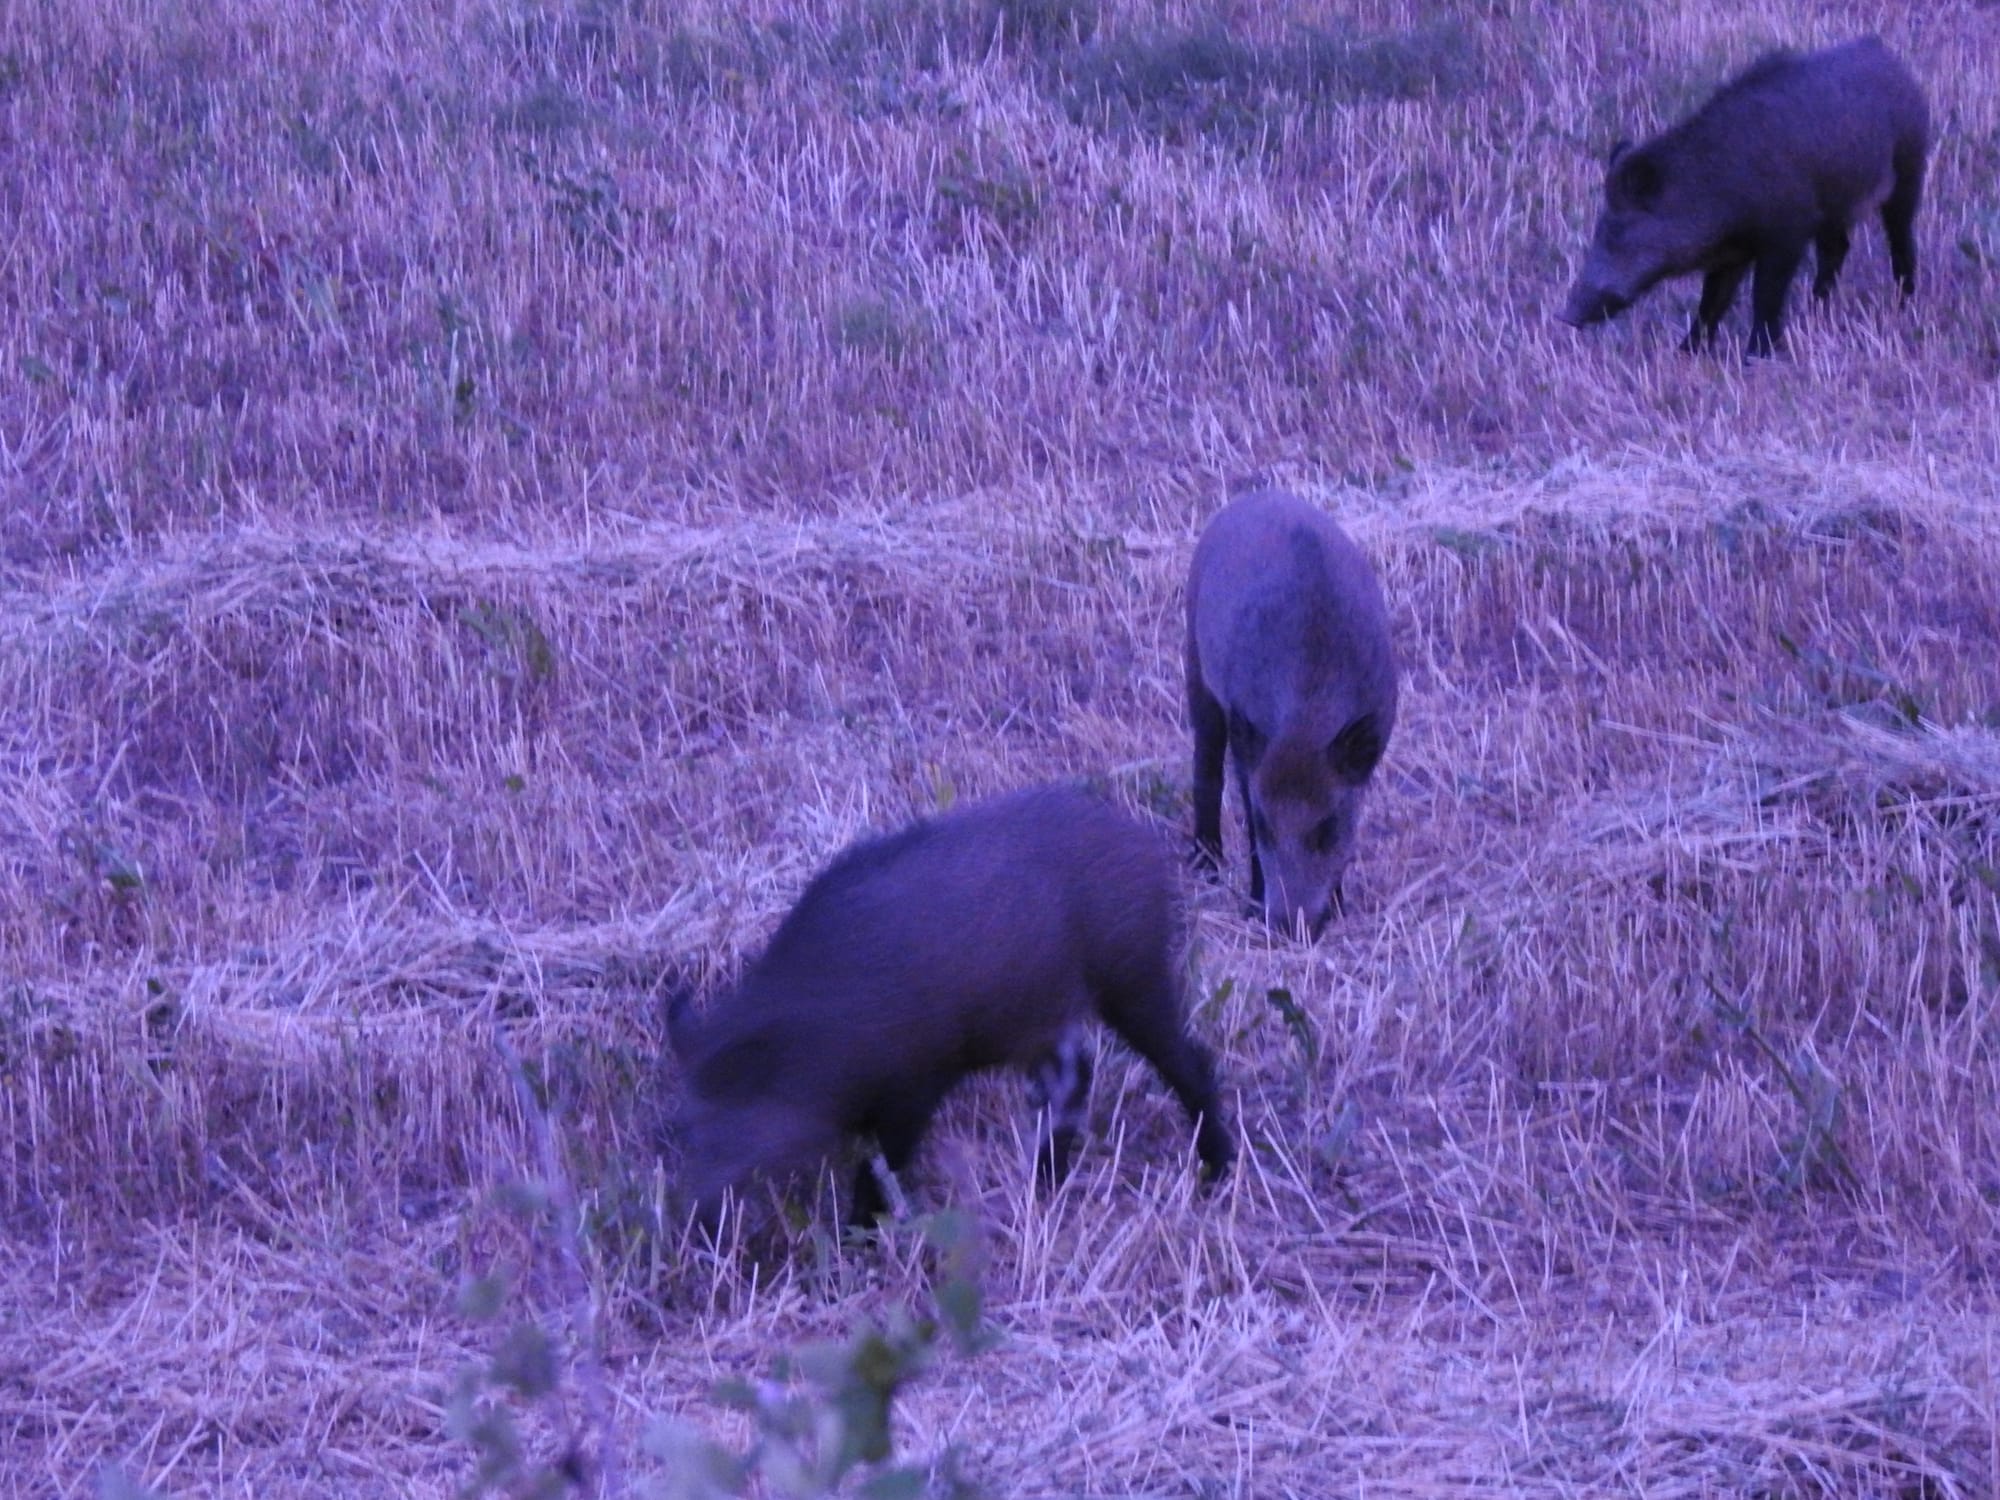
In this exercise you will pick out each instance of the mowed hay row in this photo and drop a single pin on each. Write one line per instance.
(228, 699)
(542, 261)
(1729, 817)
(1674, 927)
(318, 799)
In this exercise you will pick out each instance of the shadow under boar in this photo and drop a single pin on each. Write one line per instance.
(980, 939)
(1794, 150)
(1290, 670)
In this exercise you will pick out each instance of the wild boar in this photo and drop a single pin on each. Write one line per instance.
(1290, 670)
(1792, 151)
(980, 939)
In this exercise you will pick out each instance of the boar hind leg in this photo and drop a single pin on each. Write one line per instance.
(1059, 1087)
(898, 1123)
(867, 1203)
(1899, 213)
(1718, 294)
(1829, 254)
(1768, 290)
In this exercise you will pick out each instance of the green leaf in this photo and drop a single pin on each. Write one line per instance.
(866, 1422)
(526, 1361)
(1217, 998)
(489, 1432)
(1470, 544)
(958, 1303)
(524, 1200)
(1297, 1022)
(693, 1468)
(119, 871)
(893, 1484)
(481, 1297)
(1333, 1146)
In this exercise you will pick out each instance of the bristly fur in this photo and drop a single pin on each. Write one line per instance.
(980, 939)
(1291, 674)
(1790, 153)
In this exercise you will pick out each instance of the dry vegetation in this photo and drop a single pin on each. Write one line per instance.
(495, 494)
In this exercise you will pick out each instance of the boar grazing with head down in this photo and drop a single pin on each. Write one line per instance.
(983, 938)
(1792, 152)
(1289, 670)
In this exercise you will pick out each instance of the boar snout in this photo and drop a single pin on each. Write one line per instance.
(1589, 304)
(1307, 922)
(1295, 899)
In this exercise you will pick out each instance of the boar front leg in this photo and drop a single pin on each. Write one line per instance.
(1776, 267)
(897, 1121)
(1718, 295)
(1829, 255)
(1059, 1087)
(1211, 737)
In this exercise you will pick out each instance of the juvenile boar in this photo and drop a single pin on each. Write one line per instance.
(1793, 151)
(1290, 670)
(980, 939)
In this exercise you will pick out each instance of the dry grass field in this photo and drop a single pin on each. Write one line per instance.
(494, 493)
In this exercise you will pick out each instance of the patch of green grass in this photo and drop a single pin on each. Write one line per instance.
(911, 34)
(686, 62)
(1043, 26)
(1341, 66)
(991, 197)
(873, 323)
(547, 109)
(1208, 82)
(1178, 85)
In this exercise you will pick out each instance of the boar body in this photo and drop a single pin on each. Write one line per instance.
(981, 939)
(1794, 151)
(1290, 672)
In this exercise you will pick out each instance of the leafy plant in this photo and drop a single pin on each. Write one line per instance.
(1298, 1023)
(1846, 682)
(1813, 1156)
(517, 647)
(823, 1422)
(1207, 81)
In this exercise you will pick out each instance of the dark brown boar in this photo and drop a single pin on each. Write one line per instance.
(1794, 151)
(1290, 670)
(980, 939)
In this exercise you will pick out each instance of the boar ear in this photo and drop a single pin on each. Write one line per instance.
(1246, 740)
(1640, 178)
(1354, 753)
